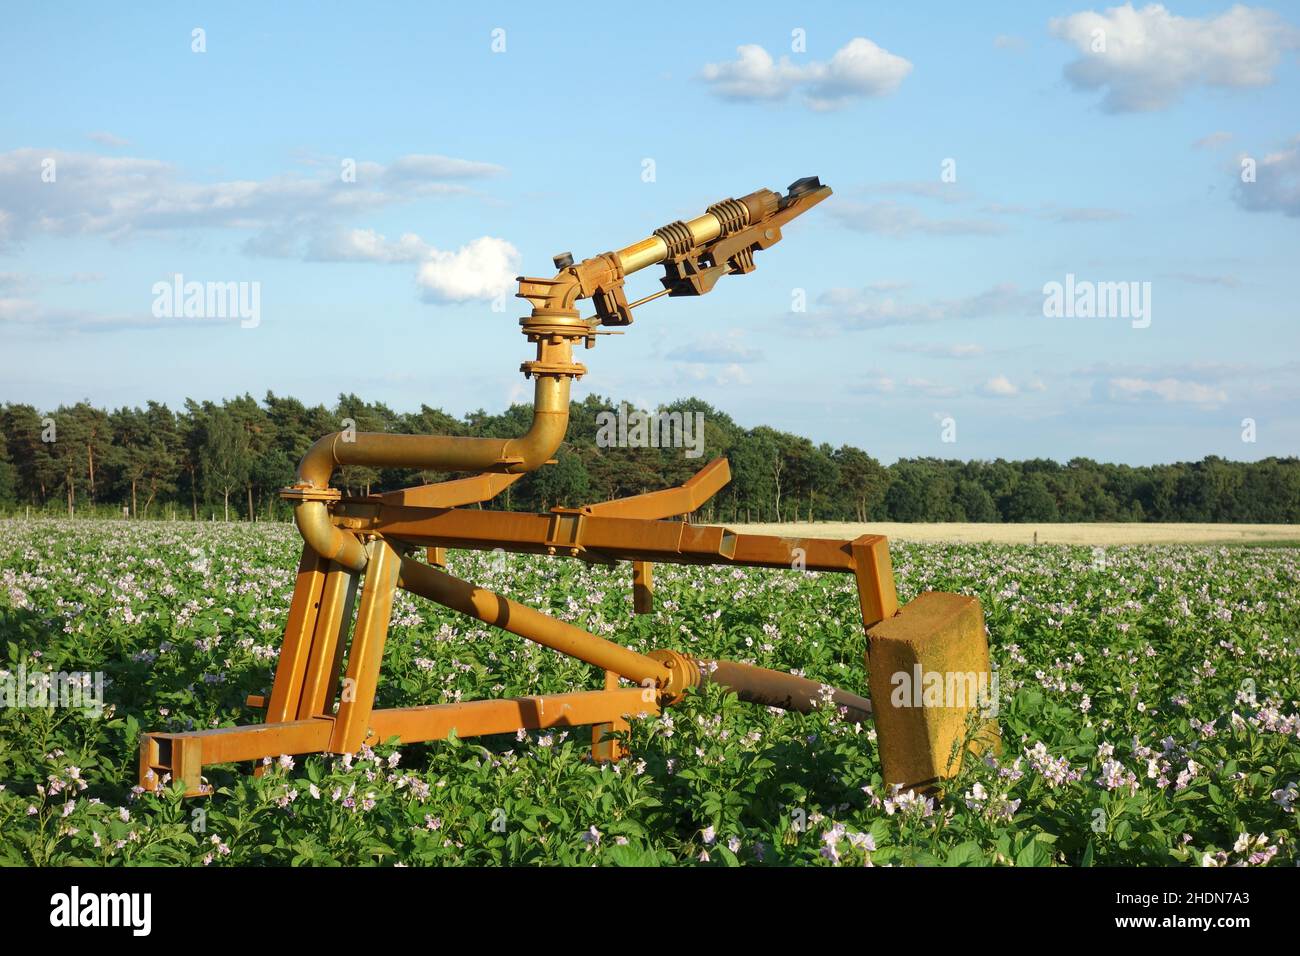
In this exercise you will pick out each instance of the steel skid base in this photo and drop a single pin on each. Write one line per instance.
(319, 704)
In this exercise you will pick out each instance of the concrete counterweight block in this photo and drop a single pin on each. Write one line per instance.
(928, 669)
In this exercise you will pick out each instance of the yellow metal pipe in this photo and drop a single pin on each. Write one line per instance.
(770, 688)
(433, 452)
(653, 250)
(313, 521)
(500, 611)
(703, 229)
(641, 255)
(448, 453)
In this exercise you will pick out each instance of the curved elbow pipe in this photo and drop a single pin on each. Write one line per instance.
(331, 543)
(528, 452)
(535, 447)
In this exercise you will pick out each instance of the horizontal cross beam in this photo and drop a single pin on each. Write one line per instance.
(184, 755)
(597, 537)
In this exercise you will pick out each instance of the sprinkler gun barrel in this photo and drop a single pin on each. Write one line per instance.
(694, 254)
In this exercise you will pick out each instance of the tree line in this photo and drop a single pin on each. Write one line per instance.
(230, 460)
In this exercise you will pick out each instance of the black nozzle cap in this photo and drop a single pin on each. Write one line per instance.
(806, 185)
(563, 260)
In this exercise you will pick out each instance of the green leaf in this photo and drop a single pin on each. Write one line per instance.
(965, 854)
(1034, 854)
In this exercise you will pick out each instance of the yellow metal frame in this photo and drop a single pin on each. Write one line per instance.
(316, 705)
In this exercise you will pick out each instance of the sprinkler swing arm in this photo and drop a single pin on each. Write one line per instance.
(322, 697)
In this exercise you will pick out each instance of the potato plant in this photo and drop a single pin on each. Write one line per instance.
(1146, 700)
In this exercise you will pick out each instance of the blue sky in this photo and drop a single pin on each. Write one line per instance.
(924, 293)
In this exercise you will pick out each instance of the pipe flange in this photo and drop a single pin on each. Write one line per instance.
(575, 369)
(310, 493)
(554, 322)
(683, 674)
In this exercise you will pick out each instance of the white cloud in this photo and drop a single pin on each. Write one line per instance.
(1001, 387)
(717, 349)
(894, 219)
(753, 75)
(1053, 212)
(852, 309)
(1213, 140)
(481, 269)
(108, 139)
(422, 169)
(860, 68)
(1165, 389)
(111, 196)
(1006, 209)
(1277, 183)
(1147, 59)
(1196, 278)
(1083, 214)
(890, 217)
(28, 315)
(27, 281)
(927, 189)
(881, 383)
(957, 351)
(927, 387)
(691, 373)
(288, 216)
(366, 245)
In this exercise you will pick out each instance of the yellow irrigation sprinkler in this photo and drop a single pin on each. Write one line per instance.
(319, 705)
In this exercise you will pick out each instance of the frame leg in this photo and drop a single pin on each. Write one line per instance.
(643, 587)
(604, 746)
(367, 652)
(304, 609)
(303, 613)
(332, 624)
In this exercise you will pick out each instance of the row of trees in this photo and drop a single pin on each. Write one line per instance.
(231, 460)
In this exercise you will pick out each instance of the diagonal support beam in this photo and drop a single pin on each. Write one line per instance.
(669, 502)
(451, 494)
